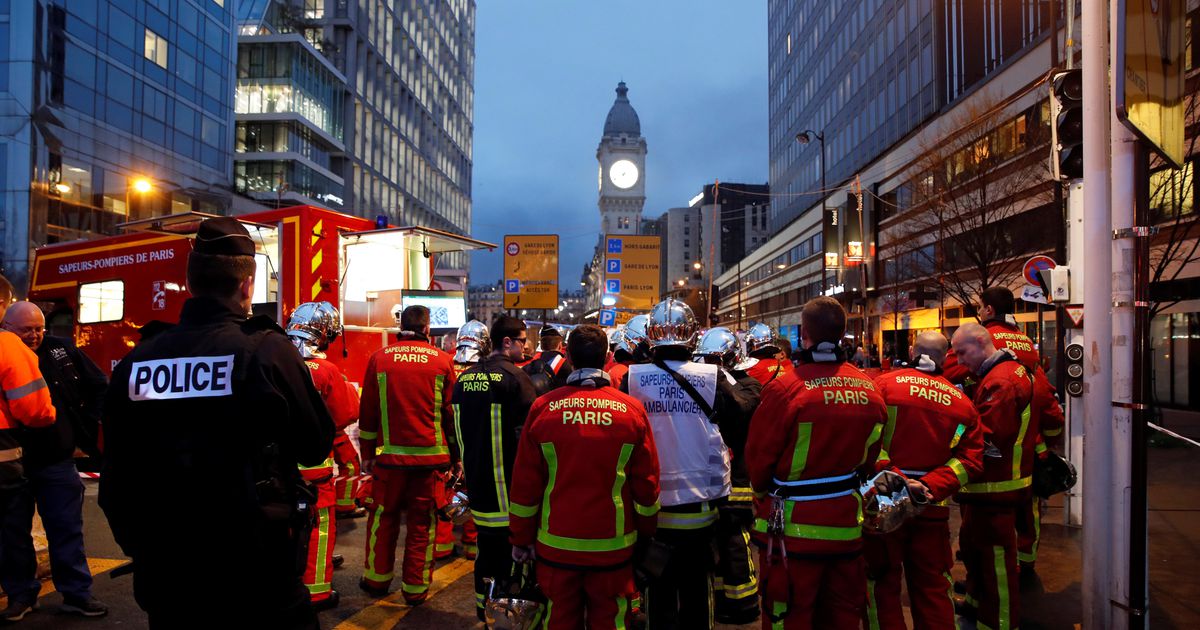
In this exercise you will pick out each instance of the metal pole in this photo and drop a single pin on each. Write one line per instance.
(1138, 569)
(1097, 489)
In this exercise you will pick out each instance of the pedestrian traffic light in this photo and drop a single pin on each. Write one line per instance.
(1074, 354)
(1066, 108)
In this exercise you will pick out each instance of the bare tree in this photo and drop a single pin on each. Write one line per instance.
(969, 226)
(1172, 209)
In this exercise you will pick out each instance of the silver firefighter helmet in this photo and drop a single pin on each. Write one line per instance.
(887, 503)
(761, 337)
(671, 324)
(719, 345)
(473, 342)
(633, 333)
(313, 326)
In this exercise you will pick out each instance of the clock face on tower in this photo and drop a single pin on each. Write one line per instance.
(623, 174)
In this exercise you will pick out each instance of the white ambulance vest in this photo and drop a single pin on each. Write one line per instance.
(692, 458)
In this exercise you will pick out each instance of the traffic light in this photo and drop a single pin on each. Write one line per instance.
(1066, 108)
(1074, 354)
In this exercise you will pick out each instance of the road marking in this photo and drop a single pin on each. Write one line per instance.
(386, 612)
(97, 566)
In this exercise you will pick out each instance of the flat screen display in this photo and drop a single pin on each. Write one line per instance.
(447, 309)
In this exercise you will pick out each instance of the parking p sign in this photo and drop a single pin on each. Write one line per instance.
(512, 286)
(608, 318)
(612, 286)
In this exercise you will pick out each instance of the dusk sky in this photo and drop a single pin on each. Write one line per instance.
(545, 75)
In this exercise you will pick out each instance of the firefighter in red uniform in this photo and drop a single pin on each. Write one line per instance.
(763, 344)
(933, 435)
(584, 492)
(471, 343)
(990, 505)
(405, 403)
(995, 311)
(630, 348)
(311, 328)
(814, 432)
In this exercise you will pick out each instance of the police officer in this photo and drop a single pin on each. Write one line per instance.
(992, 503)
(204, 427)
(815, 431)
(764, 344)
(685, 402)
(736, 585)
(933, 435)
(471, 344)
(491, 401)
(549, 368)
(312, 327)
(585, 489)
(24, 403)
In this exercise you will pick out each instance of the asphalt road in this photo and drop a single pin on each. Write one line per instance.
(1053, 602)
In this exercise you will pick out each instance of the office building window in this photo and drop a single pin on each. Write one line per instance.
(156, 48)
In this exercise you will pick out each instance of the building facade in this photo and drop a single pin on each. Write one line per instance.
(110, 111)
(371, 103)
(877, 85)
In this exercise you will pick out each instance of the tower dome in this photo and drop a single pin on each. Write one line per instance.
(621, 118)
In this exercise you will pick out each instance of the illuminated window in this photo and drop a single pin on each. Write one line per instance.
(156, 48)
(101, 301)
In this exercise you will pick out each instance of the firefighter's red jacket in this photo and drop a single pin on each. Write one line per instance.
(585, 483)
(1045, 405)
(1010, 431)
(405, 405)
(341, 399)
(818, 426)
(933, 432)
(767, 370)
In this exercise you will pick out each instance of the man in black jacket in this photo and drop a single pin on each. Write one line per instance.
(77, 389)
(550, 367)
(203, 429)
(491, 401)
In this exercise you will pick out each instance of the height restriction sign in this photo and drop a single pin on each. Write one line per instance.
(531, 271)
(631, 271)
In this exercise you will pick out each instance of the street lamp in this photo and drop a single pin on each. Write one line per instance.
(696, 265)
(142, 185)
(807, 136)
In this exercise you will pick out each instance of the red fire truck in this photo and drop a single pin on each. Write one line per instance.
(102, 292)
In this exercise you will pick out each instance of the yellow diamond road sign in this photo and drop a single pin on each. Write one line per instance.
(531, 271)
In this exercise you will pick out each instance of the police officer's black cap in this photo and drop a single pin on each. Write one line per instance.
(224, 236)
(549, 331)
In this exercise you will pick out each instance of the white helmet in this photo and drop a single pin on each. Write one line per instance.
(761, 337)
(671, 324)
(474, 342)
(313, 326)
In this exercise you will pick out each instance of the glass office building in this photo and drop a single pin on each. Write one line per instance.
(402, 144)
(865, 73)
(115, 110)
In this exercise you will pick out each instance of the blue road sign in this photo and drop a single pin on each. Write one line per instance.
(615, 245)
(614, 265)
(512, 286)
(612, 286)
(608, 318)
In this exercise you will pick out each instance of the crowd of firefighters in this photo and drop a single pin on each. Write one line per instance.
(655, 473)
(632, 474)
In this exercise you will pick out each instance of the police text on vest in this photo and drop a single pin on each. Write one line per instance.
(185, 377)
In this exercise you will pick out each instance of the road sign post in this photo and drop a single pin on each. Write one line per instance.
(531, 271)
(631, 267)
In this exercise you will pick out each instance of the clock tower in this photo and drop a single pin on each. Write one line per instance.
(622, 168)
